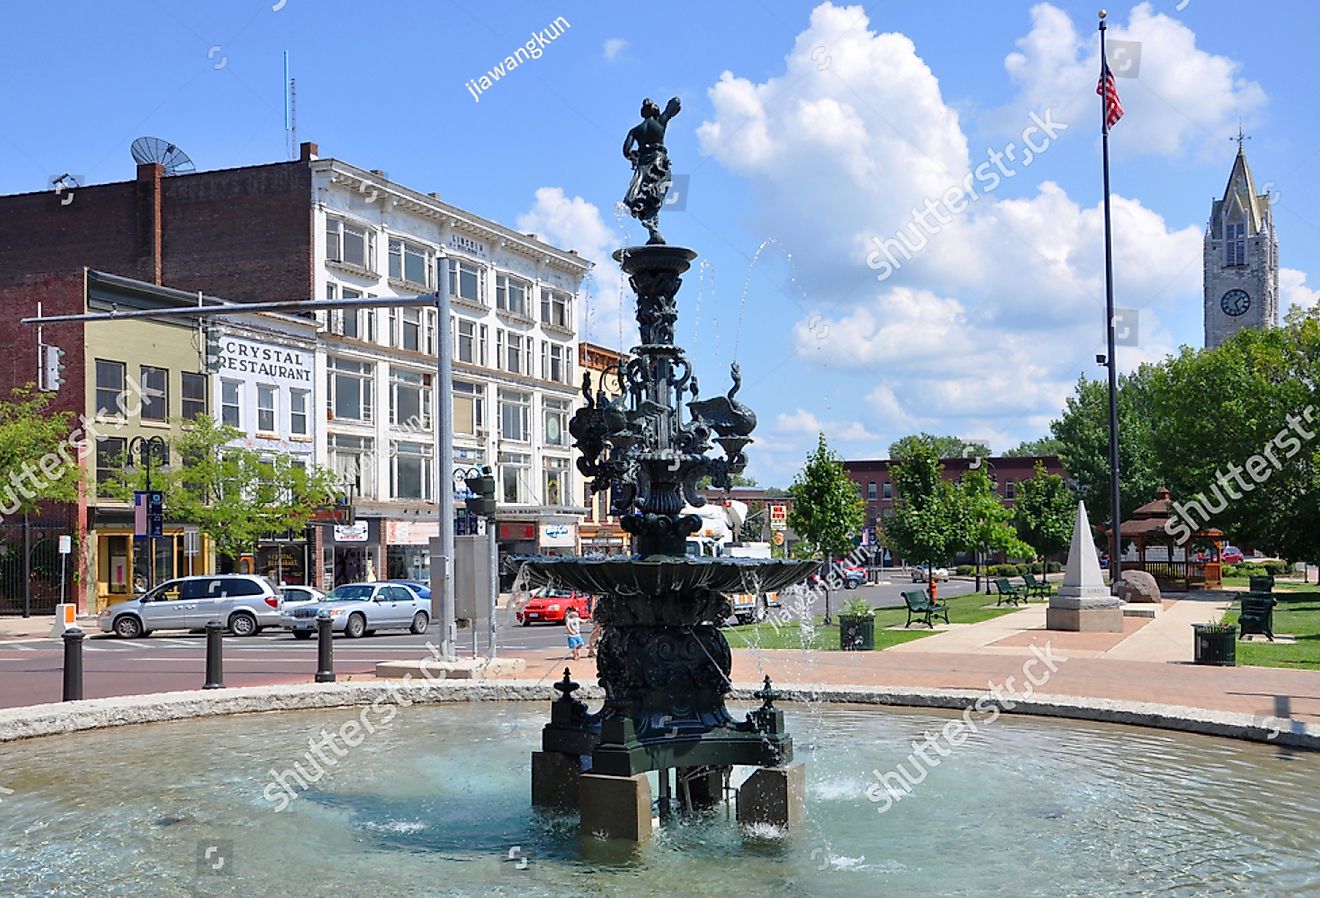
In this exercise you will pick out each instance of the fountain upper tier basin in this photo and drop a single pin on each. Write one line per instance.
(660, 575)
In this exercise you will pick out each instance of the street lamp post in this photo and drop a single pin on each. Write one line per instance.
(983, 550)
(148, 451)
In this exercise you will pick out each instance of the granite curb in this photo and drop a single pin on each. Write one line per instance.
(69, 717)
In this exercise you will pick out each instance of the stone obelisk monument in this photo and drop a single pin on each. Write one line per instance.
(1084, 602)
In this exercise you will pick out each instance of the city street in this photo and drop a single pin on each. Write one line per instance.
(30, 670)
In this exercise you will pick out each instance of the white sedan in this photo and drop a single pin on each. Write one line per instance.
(920, 574)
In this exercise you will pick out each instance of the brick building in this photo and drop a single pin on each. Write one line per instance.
(316, 228)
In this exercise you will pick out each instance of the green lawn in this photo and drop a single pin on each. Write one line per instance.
(1297, 614)
(789, 635)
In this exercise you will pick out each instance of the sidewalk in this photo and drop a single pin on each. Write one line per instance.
(37, 627)
(1149, 662)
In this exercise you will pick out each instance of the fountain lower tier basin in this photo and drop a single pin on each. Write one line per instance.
(660, 576)
(435, 802)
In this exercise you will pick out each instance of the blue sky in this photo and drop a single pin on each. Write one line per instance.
(812, 126)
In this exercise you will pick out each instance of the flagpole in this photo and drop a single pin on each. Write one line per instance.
(1116, 542)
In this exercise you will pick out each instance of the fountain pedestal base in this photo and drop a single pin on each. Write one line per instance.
(616, 807)
(555, 781)
(774, 796)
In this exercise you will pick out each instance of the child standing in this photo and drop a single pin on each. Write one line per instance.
(573, 625)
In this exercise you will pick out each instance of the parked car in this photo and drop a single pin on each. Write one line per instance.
(921, 574)
(1231, 555)
(297, 596)
(417, 586)
(360, 609)
(244, 603)
(550, 605)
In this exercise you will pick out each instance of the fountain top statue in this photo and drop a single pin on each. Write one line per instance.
(644, 147)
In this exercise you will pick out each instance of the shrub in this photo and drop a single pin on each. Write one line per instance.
(858, 608)
(1277, 568)
(965, 570)
(1054, 567)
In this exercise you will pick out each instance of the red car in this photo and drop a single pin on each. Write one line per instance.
(550, 606)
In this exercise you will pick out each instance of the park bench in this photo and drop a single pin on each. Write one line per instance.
(1009, 593)
(920, 606)
(1257, 615)
(1036, 587)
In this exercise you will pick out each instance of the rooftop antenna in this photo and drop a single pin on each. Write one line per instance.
(1240, 136)
(290, 110)
(161, 152)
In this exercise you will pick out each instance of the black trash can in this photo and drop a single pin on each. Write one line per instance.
(1215, 644)
(1261, 583)
(857, 634)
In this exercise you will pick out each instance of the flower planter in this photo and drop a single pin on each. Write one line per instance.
(856, 633)
(1215, 644)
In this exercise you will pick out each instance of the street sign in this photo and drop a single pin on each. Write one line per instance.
(192, 542)
(778, 517)
(66, 544)
(778, 538)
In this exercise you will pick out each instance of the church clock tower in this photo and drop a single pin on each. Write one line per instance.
(1241, 258)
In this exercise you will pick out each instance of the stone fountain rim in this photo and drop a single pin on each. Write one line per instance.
(64, 718)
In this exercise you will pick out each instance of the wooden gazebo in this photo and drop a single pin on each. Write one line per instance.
(1146, 528)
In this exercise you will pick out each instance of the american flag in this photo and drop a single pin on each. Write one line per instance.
(1107, 89)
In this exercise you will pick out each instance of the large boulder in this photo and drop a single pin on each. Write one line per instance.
(1138, 586)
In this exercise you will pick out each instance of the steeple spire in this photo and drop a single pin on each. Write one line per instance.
(1240, 137)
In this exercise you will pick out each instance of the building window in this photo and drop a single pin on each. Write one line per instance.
(410, 262)
(357, 324)
(515, 473)
(557, 482)
(353, 460)
(886, 490)
(556, 422)
(266, 408)
(413, 329)
(514, 411)
(411, 476)
(870, 490)
(192, 395)
(1235, 243)
(556, 362)
(467, 280)
(556, 308)
(109, 386)
(299, 400)
(230, 408)
(511, 295)
(469, 409)
(350, 244)
(155, 384)
(1010, 489)
(350, 393)
(410, 400)
(513, 351)
(469, 341)
(109, 457)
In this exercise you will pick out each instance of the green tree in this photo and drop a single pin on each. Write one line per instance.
(38, 457)
(827, 508)
(734, 479)
(944, 447)
(931, 520)
(232, 493)
(990, 523)
(1041, 446)
(1250, 399)
(1083, 434)
(1045, 511)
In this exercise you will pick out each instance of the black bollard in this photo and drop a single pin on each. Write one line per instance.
(325, 659)
(73, 668)
(215, 659)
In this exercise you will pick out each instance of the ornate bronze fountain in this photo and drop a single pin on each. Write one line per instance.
(663, 662)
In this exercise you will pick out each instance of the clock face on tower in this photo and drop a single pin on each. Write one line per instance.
(1235, 302)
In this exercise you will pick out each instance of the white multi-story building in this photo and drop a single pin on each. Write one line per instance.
(514, 303)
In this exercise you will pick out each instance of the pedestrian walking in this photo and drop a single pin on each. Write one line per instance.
(573, 626)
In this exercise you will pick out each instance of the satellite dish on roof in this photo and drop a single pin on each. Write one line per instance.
(162, 152)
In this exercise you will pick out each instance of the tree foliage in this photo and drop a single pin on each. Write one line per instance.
(931, 519)
(38, 458)
(990, 523)
(1083, 432)
(942, 446)
(1030, 448)
(1045, 511)
(234, 494)
(827, 510)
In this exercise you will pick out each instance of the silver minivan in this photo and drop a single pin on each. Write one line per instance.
(244, 603)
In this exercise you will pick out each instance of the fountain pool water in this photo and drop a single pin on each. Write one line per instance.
(435, 804)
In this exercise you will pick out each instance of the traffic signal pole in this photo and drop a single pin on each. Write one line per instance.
(444, 481)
